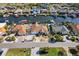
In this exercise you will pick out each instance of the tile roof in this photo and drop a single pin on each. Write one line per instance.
(75, 27)
(39, 27)
(20, 28)
(2, 29)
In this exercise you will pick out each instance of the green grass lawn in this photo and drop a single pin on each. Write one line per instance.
(53, 52)
(18, 52)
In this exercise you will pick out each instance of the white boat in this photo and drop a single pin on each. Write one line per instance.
(16, 15)
(5, 15)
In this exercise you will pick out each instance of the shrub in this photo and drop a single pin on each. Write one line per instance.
(74, 51)
(10, 38)
(73, 39)
(61, 53)
(58, 37)
(43, 51)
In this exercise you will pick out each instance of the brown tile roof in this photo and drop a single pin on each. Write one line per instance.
(20, 28)
(39, 27)
(22, 31)
(2, 29)
(75, 27)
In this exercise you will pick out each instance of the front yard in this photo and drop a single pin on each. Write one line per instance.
(52, 52)
(1, 38)
(19, 52)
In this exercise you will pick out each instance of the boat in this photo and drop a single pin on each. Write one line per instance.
(16, 15)
(24, 21)
(5, 15)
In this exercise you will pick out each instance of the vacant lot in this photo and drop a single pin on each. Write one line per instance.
(18, 52)
(52, 52)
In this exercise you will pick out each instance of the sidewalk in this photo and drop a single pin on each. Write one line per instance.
(67, 51)
(34, 51)
(4, 52)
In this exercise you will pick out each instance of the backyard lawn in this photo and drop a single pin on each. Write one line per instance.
(52, 52)
(18, 52)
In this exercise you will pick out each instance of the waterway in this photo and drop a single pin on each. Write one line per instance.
(38, 19)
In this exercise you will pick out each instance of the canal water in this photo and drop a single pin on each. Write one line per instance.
(38, 19)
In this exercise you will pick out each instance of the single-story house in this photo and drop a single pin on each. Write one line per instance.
(35, 11)
(18, 11)
(20, 29)
(44, 10)
(75, 28)
(2, 29)
(60, 29)
(36, 28)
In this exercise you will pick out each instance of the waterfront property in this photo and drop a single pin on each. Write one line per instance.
(60, 29)
(18, 11)
(44, 28)
(19, 29)
(2, 29)
(75, 28)
(35, 11)
(36, 28)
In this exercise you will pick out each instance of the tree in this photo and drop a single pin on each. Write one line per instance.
(58, 37)
(52, 39)
(13, 38)
(73, 39)
(10, 38)
(8, 32)
(50, 29)
(61, 53)
(43, 51)
(6, 27)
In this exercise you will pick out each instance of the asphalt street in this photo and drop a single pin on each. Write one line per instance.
(37, 44)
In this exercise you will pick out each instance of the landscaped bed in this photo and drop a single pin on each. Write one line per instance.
(74, 51)
(18, 52)
(52, 52)
(9, 39)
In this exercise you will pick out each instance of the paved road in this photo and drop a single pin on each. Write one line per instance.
(37, 44)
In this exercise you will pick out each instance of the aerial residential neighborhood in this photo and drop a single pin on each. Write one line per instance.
(39, 29)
